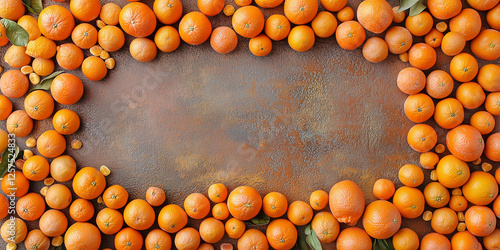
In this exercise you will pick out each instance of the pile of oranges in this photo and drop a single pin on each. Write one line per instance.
(464, 201)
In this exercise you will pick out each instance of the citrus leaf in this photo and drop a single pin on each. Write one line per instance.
(15, 33)
(308, 229)
(27, 3)
(47, 81)
(301, 244)
(406, 4)
(382, 244)
(61, 247)
(417, 8)
(11, 154)
(313, 241)
(260, 220)
(37, 6)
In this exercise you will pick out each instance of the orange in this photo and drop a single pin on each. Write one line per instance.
(89, 183)
(172, 218)
(422, 138)
(383, 189)
(220, 211)
(63, 168)
(168, 11)
(419, 107)
(43, 67)
(281, 234)
(36, 168)
(268, 3)
(51, 144)
(482, 4)
(428, 160)
(419, 25)
(14, 230)
(3, 37)
(41, 47)
(375, 49)
(69, 56)
(333, 5)
(110, 13)
(197, 206)
(468, 23)
(492, 103)
(84, 36)
(493, 17)
(94, 68)
(480, 220)
(464, 240)
(39, 105)
(19, 123)
(325, 226)
(381, 219)
(354, 238)
(137, 19)
(253, 239)
(14, 84)
(217, 192)
(444, 9)
(111, 38)
(244, 203)
(56, 22)
(16, 56)
(471, 95)
(375, 15)
(486, 45)
(411, 80)
(422, 56)
(66, 121)
(350, 35)
(36, 240)
(143, 49)
(248, 21)
(243, 2)
(158, 240)
(58, 197)
(277, 27)
(205, 246)
(453, 43)
(345, 14)
(481, 189)
(53, 223)
(167, 39)
(210, 7)
(452, 172)
(489, 77)
(85, 10)
(109, 221)
(497, 175)
(4, 140)
(155, 196)
(484, 122)
(195, 28)
(436, 195)
(299, 213)
(300, 11)
(274, 204)
(347, 202)
(444, 220)
(186, 239)
(139, 215)
(399, 16)
(115, 197)
(318, 199)
(5, 107)
(434, 241)
(411, 175)
(211, 230)
(434, 38)
(301, 38)
(463, 67)
(81, 210)
(129, 239)
(409, 201)
(223, 39)
(324, 24)
(492, 241)
(234, 228)
(458, 203)
(449, 113)
(30, 207)
(398, 39)
(405, 239)
(12, 9)
(465, 142)
(492, 148)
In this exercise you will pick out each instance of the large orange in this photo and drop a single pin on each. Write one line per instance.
(444, 220)
(248, 21)
(422, 56)
(409, 201)
(453, 43)
(444, 9)
(484, 122)
(197, 206)
(53, 223)
(12, 9)
(449, 113)
(452, 172)
(39, 105)
(253, 239)
(36, 168)
(324, 24)
(172, 218)
(281, 234)
(480, 220)
(16, 56)
(435, 241)
(465, 142)
(464, 240)
(398, 39)
(325, 226)
(464, 67)
(42, 47)
(195, 28)
(375, 15)
(486, 45)
(419, 107)
(300, 11)
(350, 35)
(492, 241)
(493, 17)
(56, 22)
(489, 77)
(186, 239)
(30, 207)
(14, 84)
(139, 215)
(347, 202)
(19, 123)
(354, 238)
(274, 204)
(89, 183)
(13, 230)
(211, 230)
(168, 11)
(375, 50)
(137, 19)
(481, 189)
(422, 138)
(128, 239)
(381, 219)
(158, 240)
(244, 203)
(223, 39)
(66, 88)
(85, 10)
(468, 23)
(492, 103)
(277, 27)
(63, 168)
(111, 38)
(471, 95)
(51, 144)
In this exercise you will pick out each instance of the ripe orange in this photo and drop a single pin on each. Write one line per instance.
(409, 201)
(422, 56)
(243, 2)
(487, 44)
(422, 138)
(381, 219)
(19, 123)
(444, 220)
(51, 144)
(324, 24)
(449, 113)
(277, 27)
(205, 246)
(465, 142)
(345, 14)
(197, 206)
(41, 47)
(318, 199)
(16, 56)
(14, 230)
(128, 239)
(3, 37)
(300, 11)
(14, 84)
(419, 107)
(464, 240)
(398, 39)
(492, 241)
(411, 175)
(39, 105)
(481, 189)
(274, 204)
(383, 189)
(220, 211)
(268, 3)
(301, 38)
(299, 213)
(210, 7)
(354, 238)
(167, 39)
(94, 68)
(405, 238)
(471, 95)
(85, 10)
(66, 121)
(493, 17)
(480, 220)
(5, 107)
(109, 221)
(211, 230)
(436, 195)
(172, 218)
(411, 80)
(12, 9)
(168, 11)
(234, 228)
(187, 238)
(223, 40)
(492, 148)
(492, 103)
(375, 50)
(244, 203)
(482, 4)
(195, 28)
(36, 168)
(137, 19)
(375, 15)
(452, 172)
(36, 240)
(58, 197)
(84, 35)
(43, 67)
(143, 49)
(248, 21)
(139, 215)
(435, 241)
(468, 23)
(453, 43)
(53, 223)
(115, 197)
(419, 25)
(350, 35)
(4, 140)
(217, 192)
(110, 13)
(333, 5)
(56, 22)
(489, 77)
(81, 210)
(458, 203)
(89, 183)
(158, 240)
(29, 207)
(69, 56)
(325, 226)
(253, 239)
(347, 202)
(463, 67)
(484, 122)
(155, 196)
(434, 38)
(281, 234)
(444, 9)
(111, 38)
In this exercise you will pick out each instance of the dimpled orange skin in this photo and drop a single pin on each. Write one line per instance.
(375, 15)
(347, 202)
(465, 142)
(137, 19)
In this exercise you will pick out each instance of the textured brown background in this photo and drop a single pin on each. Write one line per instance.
(290, 122)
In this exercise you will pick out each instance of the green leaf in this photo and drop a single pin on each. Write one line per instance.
(308, 229)
(260, 219)
(382, 244)
(417, 8)
(406, 4)
(61, 247)
(15, 33)
(47, 81)
(9, 154)
(34, 6)
(301, 244)
(313, 241)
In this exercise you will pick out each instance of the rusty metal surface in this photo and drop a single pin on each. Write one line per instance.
(290, 122)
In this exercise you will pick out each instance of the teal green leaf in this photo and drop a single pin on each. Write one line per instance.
(15, 33)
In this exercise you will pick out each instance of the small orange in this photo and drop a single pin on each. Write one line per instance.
(452, 172)
(345, 14)
(210, 7)
(248, 21)
(167, 39)
(53, 223)
(492, 147)
(465, 240)
(217, 192)
(471, 95)
(300, 11)
(375, 15)
(405, 238)
(29, 207)
(492, 241)
(39, 105)
(458, 203)
(143, 49)
(244, 203)
(419, 107)
(94, 68)
(58, 196)
(301, 38)
(234, 228)
(444, 220)
(51, 144)
(468, 23)
(434, 38)
(299, 213)
(19, 123)
(14, 230)
(111, 38)
(422, 56)
(277, 27)
(350, 35)
(260, 45)
(187, 238)
(195, 28)
(139, 215)
(411, 80)
(158, 240)
(84, 35)
(66, 89)
(168, 11)
(436, 195)
(480, 220)
(347, 202)
(464, 67)
(155, 196)
(453, 43)
(428, 160)
(85, 10)
(375, 50)
(56, 22)
(128, 239)
(274, 204)
(14, 84)
(137, 19)
(41, 47)
(333, 5)
(444, 9)
(110, 13)
(383, 189)
(197, 206)
(89, 183)
(486, 45)
(419, 25)
(81, 210)
(220, 211)
(16, 56)
(109, 221)
(281, 234)
(43, 67)
(398, 39)
(69, 56)
(253, 239)
(66, 121)
(493, 17)
(172, 218)
(481, 189)
(353, 238)
(318, 199)
(411, 175)
(381, 219)
(489, 77)
(223, 40)
(325, 226)
(449, 113)
(36, 240)
(483, 121)
(36, 168)
(465, 142)
(435, 241)
(409, 201)
(422, 138)
(12, 10)
(492, 103)
(211, 230)
(268, 3)
(115, 197)
(5, 107)
(324, 24)
(3, 37)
